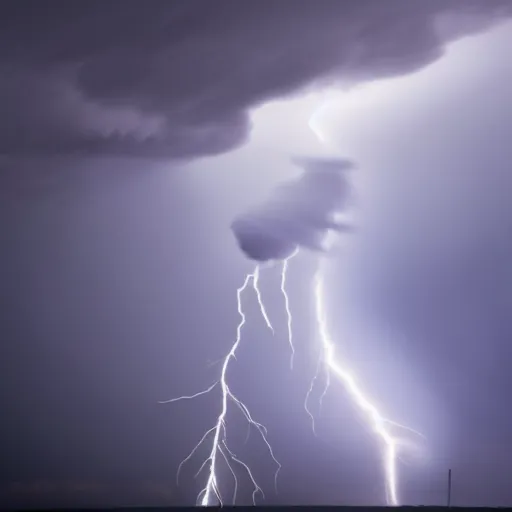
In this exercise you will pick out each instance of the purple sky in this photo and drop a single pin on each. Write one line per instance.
(126, 151)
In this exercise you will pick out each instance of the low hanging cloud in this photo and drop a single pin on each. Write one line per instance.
(299, 213)
(176, 79)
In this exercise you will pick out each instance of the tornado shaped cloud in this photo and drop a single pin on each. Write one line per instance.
(298, 213)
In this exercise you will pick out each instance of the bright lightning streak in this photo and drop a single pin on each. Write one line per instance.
(211, 491)
(255, 283)
(374, 417)
(287, 305)
(333, 366)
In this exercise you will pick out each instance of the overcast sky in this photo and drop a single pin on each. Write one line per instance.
(131, 134)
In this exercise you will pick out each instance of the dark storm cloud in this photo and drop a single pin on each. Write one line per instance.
(175, 79)
(299, 213)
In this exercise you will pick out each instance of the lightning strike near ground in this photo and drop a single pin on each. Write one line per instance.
(211, 494)
(333, 366)
(220, 455)
(217, 435)
(337, 368)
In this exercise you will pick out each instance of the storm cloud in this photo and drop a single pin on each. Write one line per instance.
(176, 79)
(299, 213)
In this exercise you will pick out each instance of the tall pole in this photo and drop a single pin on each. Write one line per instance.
(449, 501)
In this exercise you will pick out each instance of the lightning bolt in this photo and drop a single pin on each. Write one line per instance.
(220, 450)
(287, 305)
(333, 366)
(376, 420)
(211, 494)
(219, 446)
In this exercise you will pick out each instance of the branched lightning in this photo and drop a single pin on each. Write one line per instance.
(219, 446)
(327, 362)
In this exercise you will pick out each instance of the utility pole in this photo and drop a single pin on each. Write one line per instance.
(449, 500)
